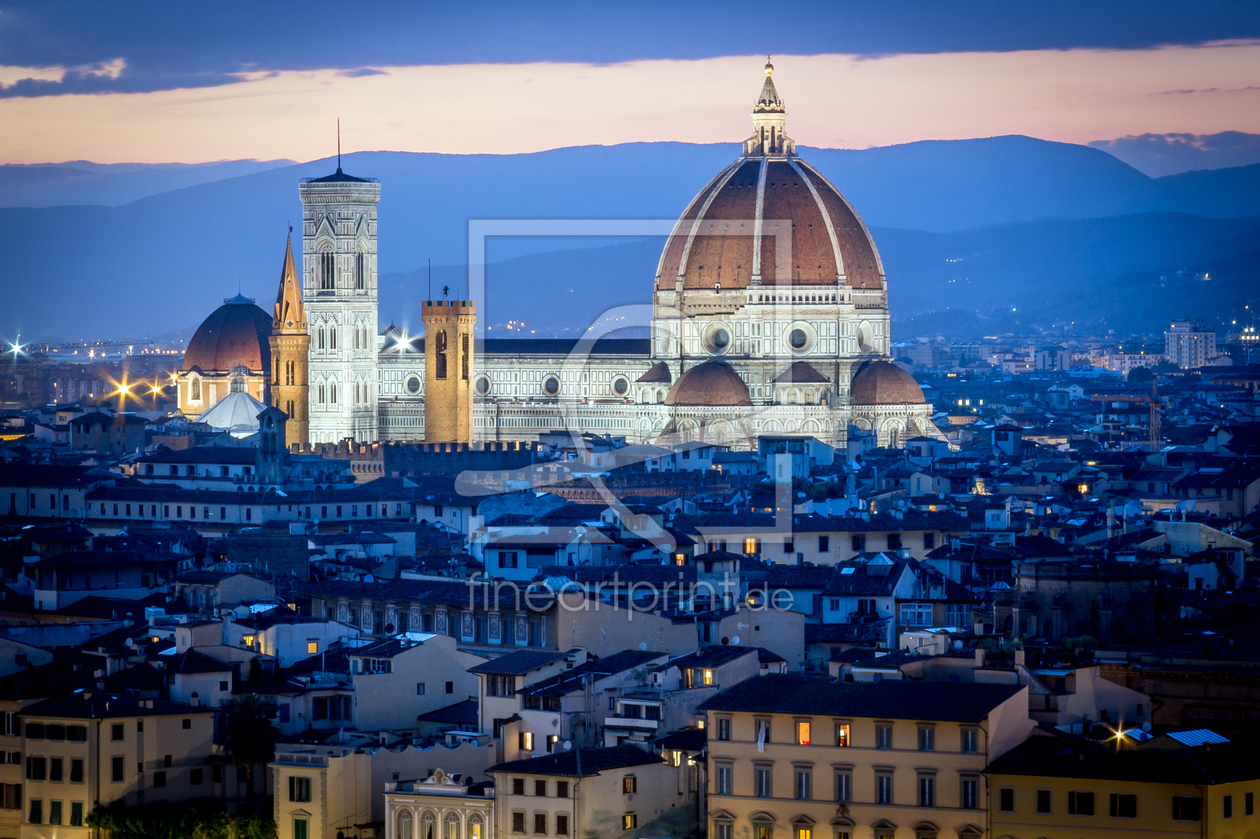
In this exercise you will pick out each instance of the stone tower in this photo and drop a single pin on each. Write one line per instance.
(290, 354)
(340, 293)
(448, 370)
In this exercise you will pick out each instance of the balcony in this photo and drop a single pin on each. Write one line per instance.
(632, 724)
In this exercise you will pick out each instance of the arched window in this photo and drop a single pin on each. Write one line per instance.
(195, 390)
(405, 825)
(321, 393)
(360, 274)
(475, 828)
(332, 393)
(428, 826)
(452, 826)
(327, 271)
(332, 337)
(319, 338)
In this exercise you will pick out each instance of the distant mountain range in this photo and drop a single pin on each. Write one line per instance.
(973, 226)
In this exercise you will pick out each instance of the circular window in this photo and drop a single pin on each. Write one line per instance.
(482, 386)
(798, 339)
(412, 384)
(551, 386)
(620, 386)
(717, 340)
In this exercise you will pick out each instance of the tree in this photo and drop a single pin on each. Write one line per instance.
(248, 736)
(1140, 376)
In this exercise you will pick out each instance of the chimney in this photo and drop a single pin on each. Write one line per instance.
(1019, 658)
(979, 657)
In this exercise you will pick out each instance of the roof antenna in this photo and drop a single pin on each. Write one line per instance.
(338, 144)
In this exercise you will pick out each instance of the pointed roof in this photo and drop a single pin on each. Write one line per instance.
(290, 316)
(769, 101)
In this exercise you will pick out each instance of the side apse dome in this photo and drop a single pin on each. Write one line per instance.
(710, 383)
(237, 334)
(884, 383)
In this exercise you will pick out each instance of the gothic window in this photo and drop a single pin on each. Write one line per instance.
(359, 260)
(332, 393)
(195, 389)
(289, 408)
(439, 345)
(327, 271)
(332, 337)
(319, 338)
(321, 393)
(464, 358)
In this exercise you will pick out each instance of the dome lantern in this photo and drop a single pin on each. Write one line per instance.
(769, 115)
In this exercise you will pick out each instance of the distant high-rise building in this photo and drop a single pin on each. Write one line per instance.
(339, 290)
(290, 354)
(1189, 343)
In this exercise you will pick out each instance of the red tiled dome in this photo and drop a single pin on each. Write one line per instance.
(710, 383)
(713, 242)
(235, 334)
(884, 383)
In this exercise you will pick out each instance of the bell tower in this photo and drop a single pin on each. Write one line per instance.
(448, 370)
(290, 354)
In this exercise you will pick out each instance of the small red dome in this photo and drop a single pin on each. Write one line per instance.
(884, 383)
(711, 383)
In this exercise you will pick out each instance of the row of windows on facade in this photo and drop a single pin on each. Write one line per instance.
(803, 735)
(1122, 805)
(326, 267)
(326, 393)
(880, 830)
(842, 789)
(405, 824)
(857, 542)
(125, 510)
(326, 337)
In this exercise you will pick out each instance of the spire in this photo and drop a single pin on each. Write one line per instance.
(769, 101)
(769, 118)
(290, 314)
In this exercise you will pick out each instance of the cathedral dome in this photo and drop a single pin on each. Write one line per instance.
(884, 383)
(711, 383)
(772, 190)
(236, 334)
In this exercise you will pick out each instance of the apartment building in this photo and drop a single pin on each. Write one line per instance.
(613, 793)
(322, 792)
(791, 756)
(1183, 784)
(92, 748)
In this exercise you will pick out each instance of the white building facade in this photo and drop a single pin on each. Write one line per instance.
(339, 290)
(770, 316)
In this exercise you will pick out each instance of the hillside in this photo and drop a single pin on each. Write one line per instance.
(1006, 206)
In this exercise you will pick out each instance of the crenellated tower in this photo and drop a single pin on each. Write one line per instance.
(290, 354)
(448, 370)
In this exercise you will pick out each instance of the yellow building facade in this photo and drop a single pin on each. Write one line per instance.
(1057, 787)
(802, 757)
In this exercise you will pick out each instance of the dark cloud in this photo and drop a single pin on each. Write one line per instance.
(169, 45)
(1169, 154)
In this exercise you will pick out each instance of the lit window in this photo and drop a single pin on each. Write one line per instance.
(312, 647)
(842, 734)
(708, 677)
(802, 733)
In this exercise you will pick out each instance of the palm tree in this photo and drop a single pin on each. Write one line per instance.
(248, 736)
